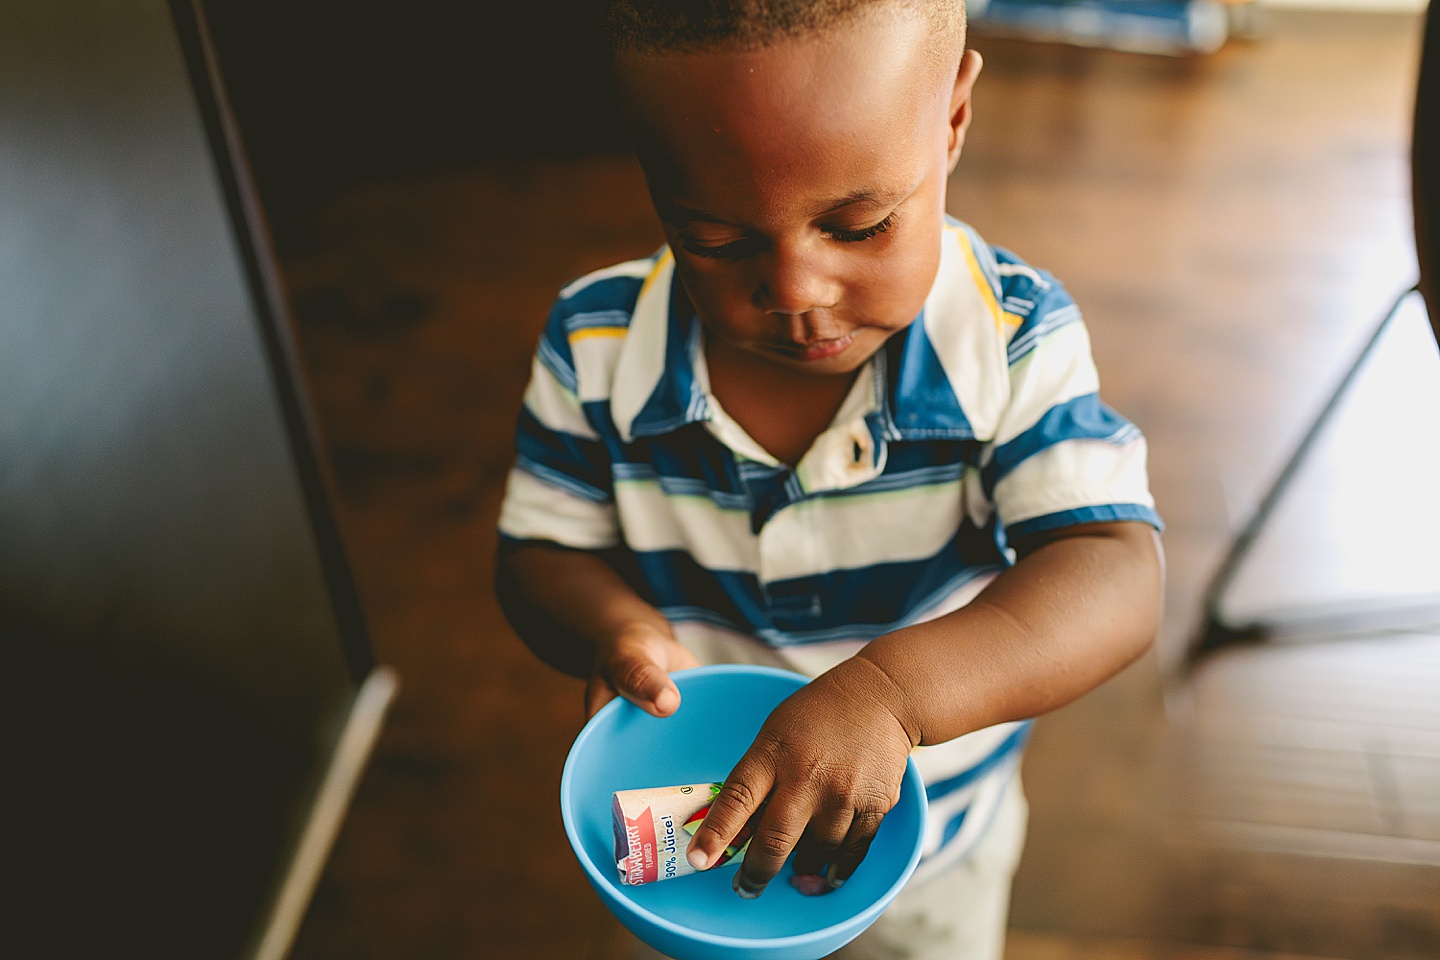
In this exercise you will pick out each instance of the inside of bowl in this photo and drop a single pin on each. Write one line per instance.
(720, 713)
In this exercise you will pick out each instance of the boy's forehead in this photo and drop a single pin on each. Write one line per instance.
(847, 110)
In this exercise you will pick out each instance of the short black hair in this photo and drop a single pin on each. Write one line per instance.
(692, 26)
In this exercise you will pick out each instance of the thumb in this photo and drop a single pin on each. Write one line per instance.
(636, 676)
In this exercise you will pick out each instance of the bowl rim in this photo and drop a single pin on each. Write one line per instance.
(601, 884)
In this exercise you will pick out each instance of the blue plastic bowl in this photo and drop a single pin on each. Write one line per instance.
(699, 917)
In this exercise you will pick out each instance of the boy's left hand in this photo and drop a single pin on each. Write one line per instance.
(822, 773)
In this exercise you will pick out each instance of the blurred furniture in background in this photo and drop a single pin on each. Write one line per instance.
(1425, 169)
(1174, 27)
(191, 694)
(1388, 608)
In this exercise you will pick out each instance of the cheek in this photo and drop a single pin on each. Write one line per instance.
(893, 288)
(717, 289)
(722, 297)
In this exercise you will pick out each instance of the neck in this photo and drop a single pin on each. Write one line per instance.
(783, 410)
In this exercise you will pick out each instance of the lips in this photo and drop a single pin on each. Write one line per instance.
(818, 349)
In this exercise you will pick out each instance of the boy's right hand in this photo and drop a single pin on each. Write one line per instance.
(636, 664)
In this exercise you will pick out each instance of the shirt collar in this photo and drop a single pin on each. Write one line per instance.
(655, 387)
(945, 377)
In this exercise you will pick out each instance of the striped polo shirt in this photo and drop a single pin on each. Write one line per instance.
(978, 423)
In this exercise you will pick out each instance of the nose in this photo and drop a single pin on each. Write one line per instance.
(795, 281)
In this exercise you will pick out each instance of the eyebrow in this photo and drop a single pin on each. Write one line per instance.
(677, 215)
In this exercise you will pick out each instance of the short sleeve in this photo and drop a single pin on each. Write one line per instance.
(1060, 456)
(560, 489)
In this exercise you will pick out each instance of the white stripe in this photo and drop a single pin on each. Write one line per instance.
(859, 530)
(967, 339)
(807, 538)
(630, 268)
(641, 363)
(1057, 370)
(653, 520)
(595, 358)
(535, 510)
(1074, 474)
(556, 407)
(1058, 317)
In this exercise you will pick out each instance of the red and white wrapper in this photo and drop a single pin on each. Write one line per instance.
(653, 829)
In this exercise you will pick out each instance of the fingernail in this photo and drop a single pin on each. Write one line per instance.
(697, 859)
(667, 700)
(810, 885)
(832, 878)
(744, 887)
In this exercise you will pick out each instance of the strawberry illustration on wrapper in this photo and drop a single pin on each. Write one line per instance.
(654, 827)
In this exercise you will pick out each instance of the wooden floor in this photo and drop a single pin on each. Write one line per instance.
(1231, 226)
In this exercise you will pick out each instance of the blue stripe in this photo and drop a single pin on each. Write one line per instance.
(922, 401)
(597, 318)
(607, 293)
(676, 581)
(564, 459)
(1082, 418)
(692, 462)
(563, 481)
(862, 633)
(1010, 745)
(953, 827)
(858, 603)
(555, 354)
(889, 481)
(681, 486)
(1104, 513)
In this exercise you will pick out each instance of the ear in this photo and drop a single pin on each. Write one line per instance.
(965, 77)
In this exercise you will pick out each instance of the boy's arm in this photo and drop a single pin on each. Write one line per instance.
(1081, 603)
(575, 611)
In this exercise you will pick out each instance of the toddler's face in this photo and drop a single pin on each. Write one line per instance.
(802, 186)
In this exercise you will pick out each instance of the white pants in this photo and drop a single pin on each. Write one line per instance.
(958, 914)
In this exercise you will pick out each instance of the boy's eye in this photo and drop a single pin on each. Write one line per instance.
(864, 233)
(733, 250)
(747, 246)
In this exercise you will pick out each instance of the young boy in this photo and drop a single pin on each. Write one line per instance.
(827, 428)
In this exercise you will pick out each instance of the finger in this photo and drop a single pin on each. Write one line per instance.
(598, 692)
(853, 850)
(643, 682)
(780, 828)
(821, 841)
(731, 813)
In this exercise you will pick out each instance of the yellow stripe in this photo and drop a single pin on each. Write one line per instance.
(587, 332)
(1002, 318)
(661, 263)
